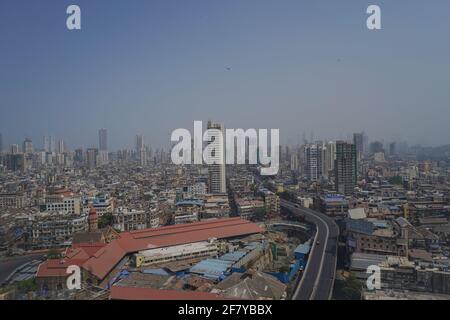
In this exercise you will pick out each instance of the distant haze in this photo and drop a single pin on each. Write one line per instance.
(150, 67)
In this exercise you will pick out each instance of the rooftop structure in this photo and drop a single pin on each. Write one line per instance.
(130, 242)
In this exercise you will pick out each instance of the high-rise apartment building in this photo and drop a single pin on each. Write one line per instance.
(143, 157)
(27, 150)
(49, 144)
(61, 147)
(14, 149)
(376, 147)
(103, 145)
(365, 143)
(295, 164)
(103, 140)
(139, 143)
(141, 153)
(314, 160)
(92, 157)
(358, 141)
(15, 161)
(345, 167)
(46, 143)
(79, 156)
(216, 172)
(392, 149)
(27, 146)
(330, 156)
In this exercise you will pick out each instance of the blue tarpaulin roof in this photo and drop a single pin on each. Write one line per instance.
(190, 202)
(209, 267)
(302, 248)
(233, 256)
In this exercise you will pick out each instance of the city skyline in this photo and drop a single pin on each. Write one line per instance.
(234, 150)
(301, 67)
(56, 144)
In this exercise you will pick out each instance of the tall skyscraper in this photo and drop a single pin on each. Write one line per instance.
(79, 156)
(15, 161)
(287, 154)
(92, 157)
(358, 141)
(27, 146)
(103, 145)
(294, 162)
(103, 140)
(49, 144)
(14, 149)
(392, 149)
(376, 147)
(52, 144)
(345, 168)
(216, 172)
(330, 156)
(27, 149)
(61, 147)
(365, 143)
(314, 161)
(1, 143)
(139, 143)
(143, 157)
(140, 148)
(46, 143)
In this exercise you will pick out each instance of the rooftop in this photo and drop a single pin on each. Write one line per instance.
(129, 242)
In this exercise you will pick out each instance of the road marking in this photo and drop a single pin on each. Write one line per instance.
(316, 283)
(307, 264)
(335, 262)
(313, 294)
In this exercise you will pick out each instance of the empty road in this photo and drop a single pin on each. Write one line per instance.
(318, 277)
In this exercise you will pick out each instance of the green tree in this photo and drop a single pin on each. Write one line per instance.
(27, 285)
(105, 220)
(53, 254)
(259, 214)
(348, 289)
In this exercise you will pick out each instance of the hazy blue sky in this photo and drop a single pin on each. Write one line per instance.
(152, 66)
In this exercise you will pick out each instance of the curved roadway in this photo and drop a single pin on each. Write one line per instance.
(9, 264)
(318, 277)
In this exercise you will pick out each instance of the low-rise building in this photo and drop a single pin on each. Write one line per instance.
(247, 208)
(64, 201)
(332, 205)
(125, 219)
(271, 203)
(215, 206)
(176, 253)
(103, 204)
(55, 228)
(12, 200)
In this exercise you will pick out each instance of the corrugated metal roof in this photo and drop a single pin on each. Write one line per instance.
(303, 249)
(233, 256)
(361, 261)
(215, 267)
(106, 258)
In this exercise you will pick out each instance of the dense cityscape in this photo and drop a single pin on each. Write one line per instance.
(224, 158)
(140, 227)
